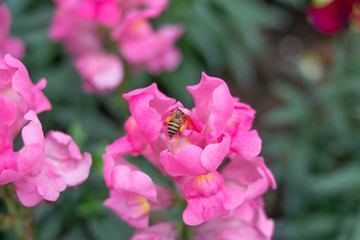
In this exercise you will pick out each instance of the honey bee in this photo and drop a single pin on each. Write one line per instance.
(175, 122)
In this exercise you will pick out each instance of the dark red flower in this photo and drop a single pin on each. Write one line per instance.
(332, 17)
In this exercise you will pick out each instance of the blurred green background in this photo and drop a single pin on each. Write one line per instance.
(304, 85)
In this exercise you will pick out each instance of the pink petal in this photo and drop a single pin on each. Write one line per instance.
(8, 44)
(214, 104)
(121, 146)
(133, 181)
(186, 162)
(14, 165)
(129, 208)
(247, 144)
(251, 175)
(42, 182)
(8, 112)
(160, 231)
(61, 150)
(147, 105)
(41, 102)
(193, 160)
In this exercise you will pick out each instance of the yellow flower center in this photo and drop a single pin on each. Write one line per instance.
(145, 206)
(203, 178)
(139, 24)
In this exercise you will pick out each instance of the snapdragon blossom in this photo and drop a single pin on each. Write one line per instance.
(8, 44)
(44, 166)
(212, 160)
(88, 27)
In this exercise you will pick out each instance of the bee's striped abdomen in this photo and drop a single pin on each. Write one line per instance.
(173, 127)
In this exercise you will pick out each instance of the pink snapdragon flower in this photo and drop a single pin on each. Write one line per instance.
(218, 127)
(8, 44)
(61, 166)
(133, 194)
(160, 231)
(43, 167)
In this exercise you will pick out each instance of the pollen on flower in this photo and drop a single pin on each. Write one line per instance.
(186, 123)
(145, 207)
(139, 24)
(132, 123)
(202, 178)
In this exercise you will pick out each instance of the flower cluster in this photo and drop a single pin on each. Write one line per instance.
(331, 16)
(44, 166)
(8, 44)
(212, 159)
(85, 25)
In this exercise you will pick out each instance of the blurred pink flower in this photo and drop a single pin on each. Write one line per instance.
(101, 73)
(150, 8)
(105, 12)
(88, 27)
(142, 46)
(168, 57)
(8, 44)
(160, 231)
(61, 166)
(332, 16)
(132, 193)
(79, 36)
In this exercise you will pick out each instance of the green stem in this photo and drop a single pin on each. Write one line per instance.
(19, 216)
(185, 230)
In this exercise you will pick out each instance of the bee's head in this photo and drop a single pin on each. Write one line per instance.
(177, 113)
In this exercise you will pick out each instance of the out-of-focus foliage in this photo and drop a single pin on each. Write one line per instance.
(310, 131)
(316, 138)
(221, 37)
